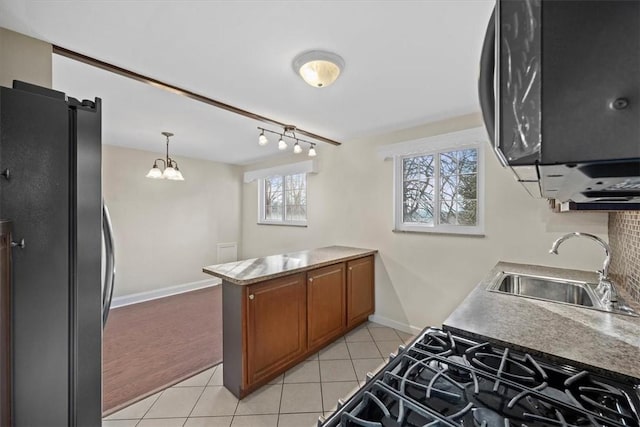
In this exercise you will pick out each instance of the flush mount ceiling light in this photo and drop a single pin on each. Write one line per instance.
(169, 169)
(289, 132)
(318, 68)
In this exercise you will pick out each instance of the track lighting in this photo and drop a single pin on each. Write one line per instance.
(289, 132)
(171, 170)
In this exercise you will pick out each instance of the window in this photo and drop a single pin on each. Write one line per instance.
(283, 200)
(439, 191)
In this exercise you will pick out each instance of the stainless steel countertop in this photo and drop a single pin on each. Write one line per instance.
(596, 340)
(255, 270)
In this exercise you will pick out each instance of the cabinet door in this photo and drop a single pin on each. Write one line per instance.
(276, 325)
(326, 305)
(360, 290)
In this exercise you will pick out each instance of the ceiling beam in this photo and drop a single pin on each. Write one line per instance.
(183, 92)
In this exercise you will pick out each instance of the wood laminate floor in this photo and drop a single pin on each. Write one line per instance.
(152, 345)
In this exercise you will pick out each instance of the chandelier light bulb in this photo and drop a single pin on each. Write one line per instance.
(312, 151)
(296, 148)
(282, 145)
(262, 139)
(154, 172)
(169, 173)
(178, 175)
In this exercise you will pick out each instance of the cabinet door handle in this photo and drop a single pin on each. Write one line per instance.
(310, 279)
(19, 244)
(350, 268)
(251, 296)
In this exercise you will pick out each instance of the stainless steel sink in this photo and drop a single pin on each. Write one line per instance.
(554, 289)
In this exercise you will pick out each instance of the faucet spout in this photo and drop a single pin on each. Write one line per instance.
(607, 250)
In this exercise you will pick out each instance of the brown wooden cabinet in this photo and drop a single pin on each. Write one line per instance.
(5, 323)
(360, 290)
(276, 325)
(271, 325)
(326, 304)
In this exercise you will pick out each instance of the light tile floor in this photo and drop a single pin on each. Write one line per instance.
(295, 399)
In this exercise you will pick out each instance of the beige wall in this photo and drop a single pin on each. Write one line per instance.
(24, 58)
(166, 231)
(420, 278)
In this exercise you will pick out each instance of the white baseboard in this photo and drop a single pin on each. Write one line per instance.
(163, 292)
(404, 327)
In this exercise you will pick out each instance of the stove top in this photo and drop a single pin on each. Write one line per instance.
(446, 380)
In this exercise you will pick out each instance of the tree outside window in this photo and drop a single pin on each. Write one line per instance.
(439, 191)
(284, 199)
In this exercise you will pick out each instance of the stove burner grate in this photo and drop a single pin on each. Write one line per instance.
(483, 417)
(445, 380)
(526, 372)
(381, 406)
(441, 343)
(602, 399)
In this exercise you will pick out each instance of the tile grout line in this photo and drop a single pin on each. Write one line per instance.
(233, 417)
(320, 376)
(151, 406)
(201, 393)
(280, 404)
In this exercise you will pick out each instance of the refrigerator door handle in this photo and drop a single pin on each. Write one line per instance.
(110, 267)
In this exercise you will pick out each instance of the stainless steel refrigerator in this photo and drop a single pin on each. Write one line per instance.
(50, 187)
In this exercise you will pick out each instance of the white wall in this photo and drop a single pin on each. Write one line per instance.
(420, 278)
(166, 231)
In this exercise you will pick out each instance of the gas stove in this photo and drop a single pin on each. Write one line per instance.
(442, 379)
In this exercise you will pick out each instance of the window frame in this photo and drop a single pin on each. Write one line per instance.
(261, 202)
(437, 227)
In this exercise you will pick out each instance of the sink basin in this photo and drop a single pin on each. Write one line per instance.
(547, 288)
(554, 289)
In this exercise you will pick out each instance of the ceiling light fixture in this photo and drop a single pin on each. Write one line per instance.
(282, 144)
(170, 166)
(262, 139)
(318, 68)
(289, 132)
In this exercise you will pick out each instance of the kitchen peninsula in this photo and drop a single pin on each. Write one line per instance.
(279, 309)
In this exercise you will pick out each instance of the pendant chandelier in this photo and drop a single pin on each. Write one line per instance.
(169, 169)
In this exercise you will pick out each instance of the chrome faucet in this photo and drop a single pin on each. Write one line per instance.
(606, 289)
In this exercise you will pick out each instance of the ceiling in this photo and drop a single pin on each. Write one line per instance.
(407, 63)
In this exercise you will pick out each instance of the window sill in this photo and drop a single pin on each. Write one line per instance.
(479, 234)
(287, 224)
